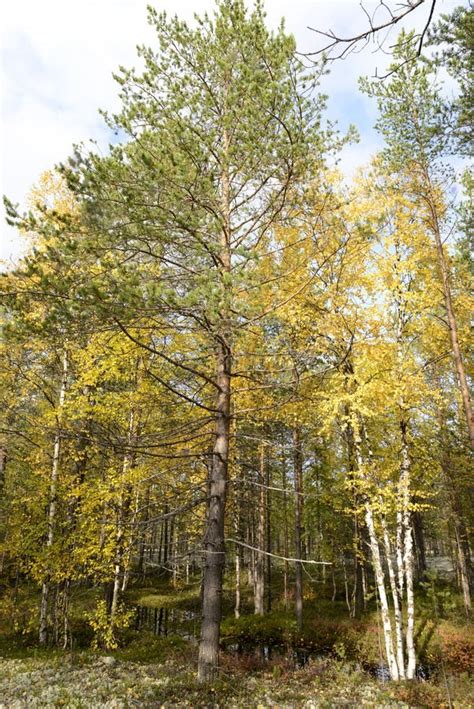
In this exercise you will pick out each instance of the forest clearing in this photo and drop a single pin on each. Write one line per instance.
(236, 437)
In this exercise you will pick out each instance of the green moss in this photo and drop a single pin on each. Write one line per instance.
(168, 597)
(148, 648)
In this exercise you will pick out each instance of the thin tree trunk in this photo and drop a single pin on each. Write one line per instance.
(358, 592)
(238, 557)
(285, 538)
(298, 475)
(3, 466)
(396, 599)
(463, 559)
(251, 562)
(128, 556)
(408, 552)
(268, 537)
(143, 537)
(379, 578)
(259, 555)
(237, 583)
(124, 506)
(346, 586)
(171, 552)
(378, 571)
(334, 586)
(463, 554)
(53, 484)
(419, 543)
(452, 324)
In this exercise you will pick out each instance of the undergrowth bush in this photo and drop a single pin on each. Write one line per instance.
(18, 615)
(106, 632)
(147, 647)
(452, 646)
(318, 635)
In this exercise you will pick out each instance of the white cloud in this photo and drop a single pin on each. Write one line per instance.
(58, 59)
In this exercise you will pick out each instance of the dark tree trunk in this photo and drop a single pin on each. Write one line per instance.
(419, 539)
(269, 539)
(214, 555)
(358, 571)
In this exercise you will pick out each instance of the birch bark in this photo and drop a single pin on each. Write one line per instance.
(53, 484)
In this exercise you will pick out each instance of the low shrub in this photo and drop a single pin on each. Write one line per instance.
(419, 694)
(148, 648)
(19, 615)
(254, 630)
(453, 646)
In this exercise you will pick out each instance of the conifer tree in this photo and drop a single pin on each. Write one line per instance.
(223, 128)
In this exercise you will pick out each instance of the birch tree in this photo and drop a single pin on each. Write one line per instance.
(412, 121)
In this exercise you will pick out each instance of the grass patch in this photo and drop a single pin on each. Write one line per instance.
(145, 647)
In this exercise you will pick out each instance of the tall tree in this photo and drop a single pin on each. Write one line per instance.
(412, 122)
(187, 203)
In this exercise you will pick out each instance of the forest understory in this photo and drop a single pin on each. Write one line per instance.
(265, 661)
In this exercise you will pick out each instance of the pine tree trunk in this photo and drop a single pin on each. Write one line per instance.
(452, 324)
(464, 564)
(214, 556)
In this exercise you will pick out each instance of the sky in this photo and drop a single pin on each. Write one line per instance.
(58, 57)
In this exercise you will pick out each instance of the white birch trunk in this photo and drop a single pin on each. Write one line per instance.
(384, 609)
(378, 571)
(119, 539)
(259, 575)
(237, 584)
(408, 560)
(53, 484)
(396, 599)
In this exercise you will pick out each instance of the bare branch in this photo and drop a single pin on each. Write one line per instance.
(339, 47)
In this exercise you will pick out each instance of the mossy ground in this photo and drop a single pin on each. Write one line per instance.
(85, 680)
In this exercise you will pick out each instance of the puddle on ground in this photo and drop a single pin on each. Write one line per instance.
(165, 621)
(185, 623)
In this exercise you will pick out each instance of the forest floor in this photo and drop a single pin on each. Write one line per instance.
(94, 681)
(265, 662)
